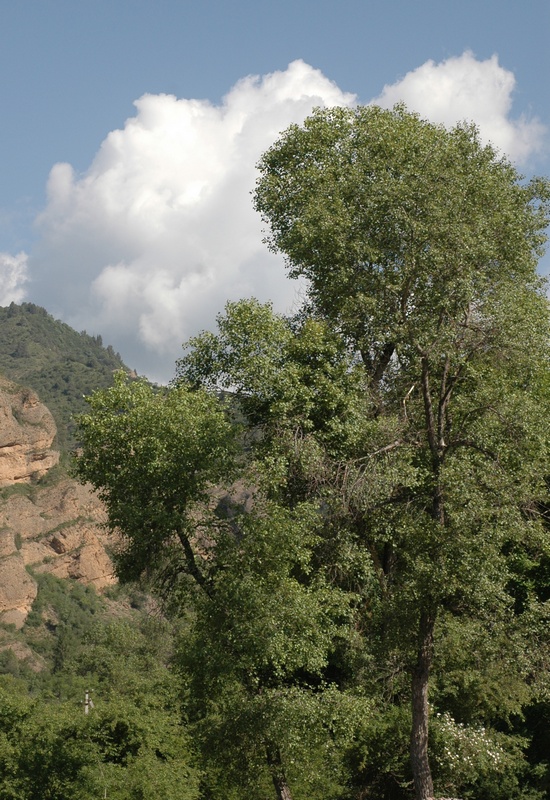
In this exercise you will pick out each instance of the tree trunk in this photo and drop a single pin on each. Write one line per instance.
(422, 775)
(277, 772)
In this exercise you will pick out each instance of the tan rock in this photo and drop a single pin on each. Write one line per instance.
(18, 514)
(56, 528)
(59, 530)
(7, 542)
(17, 590)
(27, 431)
(21, 651)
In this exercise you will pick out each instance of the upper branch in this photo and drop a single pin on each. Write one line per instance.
(429, 412)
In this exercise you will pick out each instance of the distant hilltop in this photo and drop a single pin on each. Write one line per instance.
(60, 364)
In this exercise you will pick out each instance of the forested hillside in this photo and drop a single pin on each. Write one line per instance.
(116, 646)
(60, 364)
(117, 649)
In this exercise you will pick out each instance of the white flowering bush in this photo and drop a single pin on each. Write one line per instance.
(473, 762)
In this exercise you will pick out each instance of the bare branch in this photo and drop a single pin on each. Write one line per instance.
(404, 402)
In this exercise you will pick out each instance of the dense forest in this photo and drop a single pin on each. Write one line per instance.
(343, 515)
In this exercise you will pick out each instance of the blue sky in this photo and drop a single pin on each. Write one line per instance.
(149, 230)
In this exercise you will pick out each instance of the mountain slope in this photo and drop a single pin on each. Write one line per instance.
(56, 361)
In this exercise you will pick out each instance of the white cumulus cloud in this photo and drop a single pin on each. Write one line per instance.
(13, 277)
(148, 245)
(151, 241)
(463, 88)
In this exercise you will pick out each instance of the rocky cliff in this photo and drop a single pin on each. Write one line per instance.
(48, 522)
(27, 431)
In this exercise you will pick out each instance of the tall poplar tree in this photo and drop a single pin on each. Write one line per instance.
(419, 246)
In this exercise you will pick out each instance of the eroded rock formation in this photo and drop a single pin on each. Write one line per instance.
(45, 525)
(27, 431)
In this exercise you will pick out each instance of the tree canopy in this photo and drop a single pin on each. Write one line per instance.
(394, 441)
(420, 246)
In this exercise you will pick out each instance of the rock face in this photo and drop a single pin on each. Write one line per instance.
(49, 526)
(27, 431)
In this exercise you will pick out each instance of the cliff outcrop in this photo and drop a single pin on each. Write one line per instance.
(27, 431)
(48, 522)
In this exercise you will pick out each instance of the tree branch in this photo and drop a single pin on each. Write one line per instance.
(429, 412)
(444, 397)
(473, 446)
(192, 566)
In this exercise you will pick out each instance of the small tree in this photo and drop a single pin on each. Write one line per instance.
(262, 621)
(152, 456)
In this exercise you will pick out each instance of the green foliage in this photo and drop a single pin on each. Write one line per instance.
(391, 564)
(264, 622)
(283, 372)
(71, 603)
(420, 247)
(256, 658)
(47, 754)
(479, 762)
(378, 758)
(131, 744)
(152, 455)
(61, 365)
(366, 203)
(54, 751)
